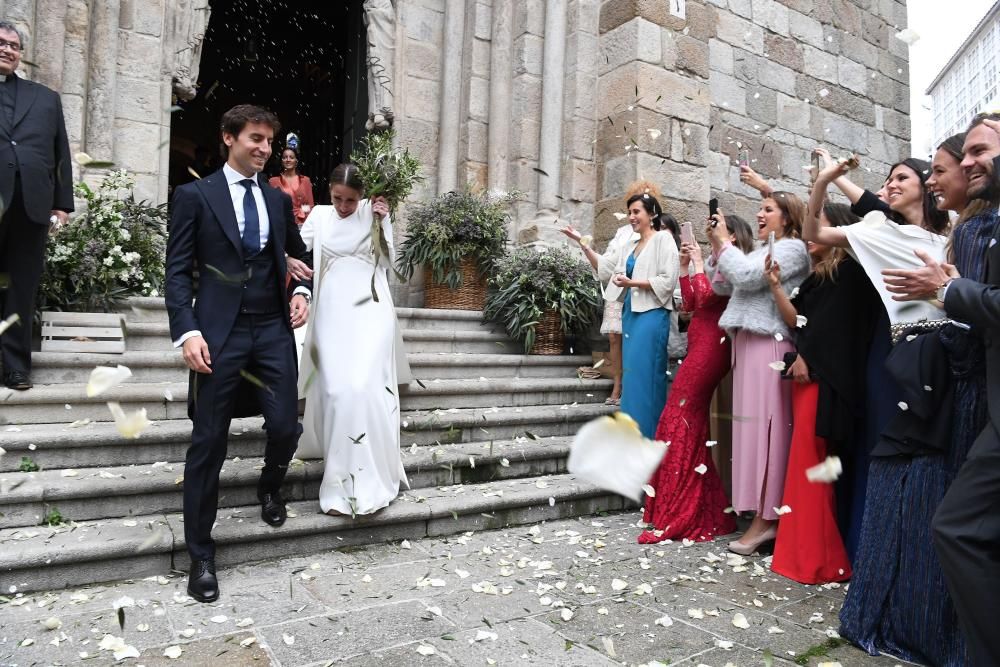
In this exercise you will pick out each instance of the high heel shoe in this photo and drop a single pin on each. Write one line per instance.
(745, 549)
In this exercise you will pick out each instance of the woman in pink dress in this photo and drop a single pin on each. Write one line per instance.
(689, 504)
(294, 185)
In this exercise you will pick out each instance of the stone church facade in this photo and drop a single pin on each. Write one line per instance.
(565, 100)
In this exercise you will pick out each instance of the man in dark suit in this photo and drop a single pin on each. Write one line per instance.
(236, 326)
(966, 526)
(34, 159)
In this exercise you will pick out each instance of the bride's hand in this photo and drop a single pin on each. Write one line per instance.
(380, 206)
(298, 269)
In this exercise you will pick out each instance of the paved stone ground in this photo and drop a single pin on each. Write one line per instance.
(574, 592)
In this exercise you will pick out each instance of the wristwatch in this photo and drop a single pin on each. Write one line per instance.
(939, 295)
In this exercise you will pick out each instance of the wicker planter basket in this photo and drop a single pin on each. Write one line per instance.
(549, 337)
(470, 295)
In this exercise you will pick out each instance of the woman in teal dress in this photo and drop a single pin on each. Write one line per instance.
(643, 275)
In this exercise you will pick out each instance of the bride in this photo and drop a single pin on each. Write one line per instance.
(353, 356)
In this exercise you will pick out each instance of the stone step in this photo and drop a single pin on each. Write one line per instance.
(168, 366)
(44, 558)
(46, 404)
(151, 336)
(98, 444)
(153, 309)
(92, 493)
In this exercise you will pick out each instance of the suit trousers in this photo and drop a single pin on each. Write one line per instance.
(966, 530)
(263, 347)
(22, 258)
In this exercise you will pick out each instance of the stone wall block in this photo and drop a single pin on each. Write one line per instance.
(73, 112)
(856, 48)
(423, 60)
(896, 123)
(581, 138)
(846, 15)
(637, 39)
(139, 56)
(800, 6)
(583, 53)
(483, 21)
(421, 23)
(480, 65)
(820, 64)
(771, 15)
(836, 100)
(692, 56)
(876, 31)
(700, 18)
(786, 51)
(895, 68)
(852, 75)
(529, 17)
(742, 8)
(138, 100)
(720, 56)
(524, 140)
(745, 66)
(133, 143)
(148, 17)
(528, 54)
(695, 139)
(421, 99)
(762, 105)
(805, 29)
(665, 92)
(740, 32)
(777, 77)
(676, 180)
(582, 180)
(479, 98)
(668, 49)
(727, 140)
(728, 92)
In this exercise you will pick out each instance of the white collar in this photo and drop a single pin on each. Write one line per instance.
(233, 176)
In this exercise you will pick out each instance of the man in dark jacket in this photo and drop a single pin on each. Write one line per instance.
(966, 527)
(34, 159)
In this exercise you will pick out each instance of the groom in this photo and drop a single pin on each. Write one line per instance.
(236, 325)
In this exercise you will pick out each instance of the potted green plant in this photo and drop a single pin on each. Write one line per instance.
(113, 250)
(540, 294)
(457, 237)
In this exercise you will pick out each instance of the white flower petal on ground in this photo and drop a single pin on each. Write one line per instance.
(405, 544)
(603, 611)
(132, 425)
(367, 579)
(740, 621)
(103, 378)
(701, 469)
(434, 610)
(188, 633)
(249, 641)
(775, 630)
(244, 622)
(122, 602)
(828, 471)
(654, 133)
(505, 463)
(566, 614)
(173, 652)
(426, 649)
(696, 613)
(618, 585)
(483, 635)
(52, 623)
(724, 644)
(664, 621)
(611, 453)
(219, 619)
(287, 638)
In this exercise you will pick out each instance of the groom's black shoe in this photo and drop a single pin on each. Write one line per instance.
(202, 584)
(272, 509)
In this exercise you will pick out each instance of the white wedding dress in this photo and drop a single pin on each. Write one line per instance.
(350, 366)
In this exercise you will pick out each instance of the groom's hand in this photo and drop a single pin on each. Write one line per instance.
(299, 310)
(196, 355)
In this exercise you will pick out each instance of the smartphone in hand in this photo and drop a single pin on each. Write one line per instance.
(713, 206)
(770, 246)
(687, 233)
(744, 157)
(814, 171)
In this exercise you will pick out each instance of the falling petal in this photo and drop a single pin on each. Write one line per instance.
(903, 406)
(827, 471)
(777, 365)
(801, 321)
(103, 378)
(132, 425)
(908, 36)
(781, 511)
(9, 322)
(611, 453)
(649, 490)
(701, 469)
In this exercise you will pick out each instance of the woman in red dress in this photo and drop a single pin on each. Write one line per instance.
(294, 185)
(690, 502)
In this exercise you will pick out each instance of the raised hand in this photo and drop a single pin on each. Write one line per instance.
(572, 233)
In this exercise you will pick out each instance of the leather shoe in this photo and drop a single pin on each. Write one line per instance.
(272, 509)
(202, 584)
(17, 380)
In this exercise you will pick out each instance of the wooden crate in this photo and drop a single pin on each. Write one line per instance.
(83, 332)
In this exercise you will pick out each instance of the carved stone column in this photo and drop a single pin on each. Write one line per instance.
(380, 16)
(51, 31)
(553, 85)
(451, 96)
(183, 38)
(102, 76)
(498, 137)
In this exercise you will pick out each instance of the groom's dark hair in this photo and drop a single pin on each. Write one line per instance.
(234, 120)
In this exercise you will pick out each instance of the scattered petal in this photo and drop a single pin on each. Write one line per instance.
(649, 490)
(287, 638)
(52, 623)
(777, 365)
(701, 469)
(426, 649)
(801, 321)
(618, 585)
(696, 613)
(249, 641)
(781, 511)
(740, 621)
(664, 621)
(103, 378)
(903, 406)
(827, 471)
(173, 652)
(908, 36)
(566, 614)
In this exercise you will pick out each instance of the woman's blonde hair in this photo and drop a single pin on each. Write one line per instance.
(838, 215)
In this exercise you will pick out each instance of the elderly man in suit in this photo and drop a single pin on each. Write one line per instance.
(237, 325)
(966, 527)
(34, 159)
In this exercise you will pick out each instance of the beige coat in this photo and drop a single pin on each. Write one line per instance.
(658, 263)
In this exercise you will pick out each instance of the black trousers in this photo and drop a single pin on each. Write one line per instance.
(262, 346)
(966, 531)
(22, 258)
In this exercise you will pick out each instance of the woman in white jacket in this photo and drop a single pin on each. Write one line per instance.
(642, 274)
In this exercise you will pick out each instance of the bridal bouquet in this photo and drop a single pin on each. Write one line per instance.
(386, 172)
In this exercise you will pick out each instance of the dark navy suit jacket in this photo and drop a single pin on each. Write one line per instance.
(204, 234)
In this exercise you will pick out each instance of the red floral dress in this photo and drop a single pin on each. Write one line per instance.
(688, 504)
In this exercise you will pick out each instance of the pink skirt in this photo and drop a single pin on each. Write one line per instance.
(762, 423)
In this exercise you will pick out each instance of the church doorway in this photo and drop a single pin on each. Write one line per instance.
(305, 60)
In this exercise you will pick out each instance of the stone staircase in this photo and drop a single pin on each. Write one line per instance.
(485, 435)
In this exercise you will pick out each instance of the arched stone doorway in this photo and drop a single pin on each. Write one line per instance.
(303, 59)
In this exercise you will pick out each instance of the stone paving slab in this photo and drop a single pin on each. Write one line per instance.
(565, 592)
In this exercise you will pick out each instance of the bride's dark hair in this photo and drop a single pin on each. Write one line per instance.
(347, 174)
